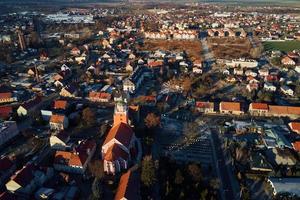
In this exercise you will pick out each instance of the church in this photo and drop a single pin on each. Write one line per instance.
(120, 147)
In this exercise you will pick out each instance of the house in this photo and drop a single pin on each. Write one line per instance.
(284, 157)
(259, 163)
(296, 146)
(120, 145)
(8, 130)
(269, 87)
(295, 127)
(231, 108)
(197, 70)
(5, 112)
(99, 96)
(252, 86)
(75, 51)
(129, 187)
(288, 111)
(258, 109)
(68, 91)
(285, 185)
(238, 71)
(59, 140)
(28, 106)
(77, 160)
(287, 90)
(58, 122)
(288, 61)
(7, 167)
(204, 107)
(134, 81)
(263, 72)
(60, 105)
(149, 100)
(27, 179)
(7, 97)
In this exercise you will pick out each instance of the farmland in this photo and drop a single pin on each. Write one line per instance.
(282, 46)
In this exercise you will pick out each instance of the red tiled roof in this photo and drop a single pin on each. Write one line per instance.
(202, 104)
(233, 106)
(278, 109)
(57, 118)
(121, 132)
(5, 95)
(129, 186)
(5, 111)
(296, 145)
(259, 106)
(99, 95)
(60, 104)
(155, 63)
(295, 126)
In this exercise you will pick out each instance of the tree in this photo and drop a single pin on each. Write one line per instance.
(195, 171)
(88, 117)
(152, 121)
(187, 84)
(178, 177)
(96, 168)
(96, 189)
(215, 183)
(204, 194)
(256, 52)
(148, 177)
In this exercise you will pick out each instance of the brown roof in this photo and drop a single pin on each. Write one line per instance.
(24, 176)
(121, 132)
(57, 118)
(129, 186)
(278, 109)
(60, 104)
(233, 106)
(293, 110)
(99, 95)
(5, 111)
(5, 95)
(5, 163)
(296, 145)
(115, 152)
(202, 104)
(295, 126)
(260, 106)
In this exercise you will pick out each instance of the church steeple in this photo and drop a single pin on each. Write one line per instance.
(121, 113)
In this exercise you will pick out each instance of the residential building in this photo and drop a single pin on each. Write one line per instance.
(269, 87)
(58, 122)
(285, 185)
(7, 97)
(68, 91)
(231, 108)
(59, 140)
(295, 127)
(288, 61)
(99, 97)
(77, 160)
(204, 107)
(8, 130)
(287, 90)
(258, 109)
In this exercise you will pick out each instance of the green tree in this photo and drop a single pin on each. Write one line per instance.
(88, 117)
(178, 177)
(148, 177)
(152, 121)
(195, 171)
(204, 194)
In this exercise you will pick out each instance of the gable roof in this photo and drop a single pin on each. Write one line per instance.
(60, 104)
(24, 176)
(5, 95)
(295, 126)
(129, 186)
(115, 152)
(121, 132)
(57, 118)
(5, 111)
(234, 106)
(5, 163)
(259, 106)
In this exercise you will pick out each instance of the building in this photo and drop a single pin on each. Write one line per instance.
(77, 160)
(99, 97)
(129, 187)
(68, 91)
(5, 112)
(288, 61)
(295, 127)
(285, 185)
(7, 97)
(258, 109)
(134, 81)
(287, 90)
(58, 122)
(7, 167)
(8, 130)
(204, 107)
(120, 146)
(28, 106)
(59, 140)
(60, 105)
(269, 87)
(231, 108)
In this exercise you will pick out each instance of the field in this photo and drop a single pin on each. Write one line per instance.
(192, 48)
(282, 46)
(230, 48)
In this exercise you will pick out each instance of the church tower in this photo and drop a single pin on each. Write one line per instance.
(121, 113)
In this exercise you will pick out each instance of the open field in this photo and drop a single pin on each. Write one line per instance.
(230, 47)
(282, 46)
(193, 48)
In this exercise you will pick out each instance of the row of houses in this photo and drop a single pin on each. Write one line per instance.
(255, 109)
(172, 34)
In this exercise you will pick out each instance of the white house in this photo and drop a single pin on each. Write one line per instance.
(269, 87)
(287, 90)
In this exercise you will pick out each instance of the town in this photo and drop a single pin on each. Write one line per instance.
(150, 100)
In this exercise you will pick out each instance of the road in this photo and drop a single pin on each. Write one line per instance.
(230, 188)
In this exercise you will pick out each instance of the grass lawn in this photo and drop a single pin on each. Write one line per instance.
(282, 46)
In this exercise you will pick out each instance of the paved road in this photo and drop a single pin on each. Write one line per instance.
(230, 190)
